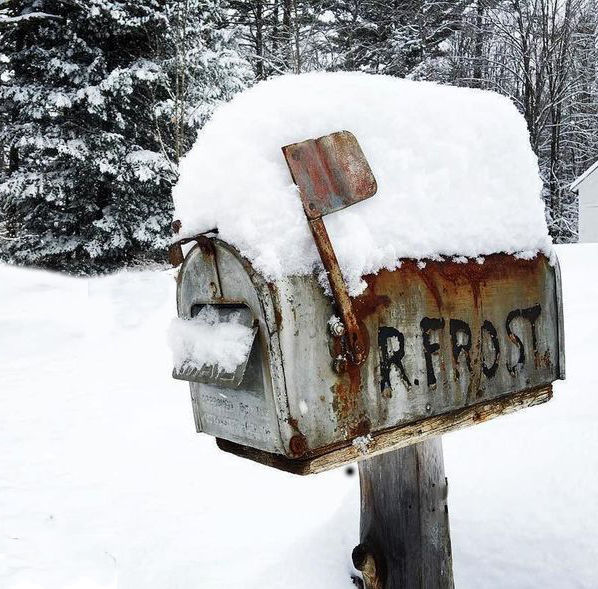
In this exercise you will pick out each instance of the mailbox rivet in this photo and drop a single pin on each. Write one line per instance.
(298, 445)
(337, 329)
(340, 365)
(428, 407)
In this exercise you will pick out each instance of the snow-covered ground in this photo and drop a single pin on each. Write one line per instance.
(104, 483)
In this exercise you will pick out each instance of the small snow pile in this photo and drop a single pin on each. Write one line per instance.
(363, 443)
(455, 171)
(208, 340)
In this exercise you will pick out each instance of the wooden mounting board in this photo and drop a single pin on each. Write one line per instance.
(398, 437)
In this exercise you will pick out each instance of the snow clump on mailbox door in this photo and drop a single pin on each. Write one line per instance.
(207, 340)
(455, 171)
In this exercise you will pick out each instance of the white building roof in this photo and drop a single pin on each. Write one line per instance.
(587, 173)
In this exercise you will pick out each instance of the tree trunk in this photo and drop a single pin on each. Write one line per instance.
(297, 34)
(259, 41)
(13, 159)
(404, 530)
(479, 46)
(287, 35)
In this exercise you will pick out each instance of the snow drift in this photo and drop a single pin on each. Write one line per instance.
(455, 171)
(104, 477)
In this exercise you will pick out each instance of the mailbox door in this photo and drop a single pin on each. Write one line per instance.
(237, 407)
(442, 338)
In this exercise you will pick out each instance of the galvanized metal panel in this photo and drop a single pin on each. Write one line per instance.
(198, 279)
(443, 337)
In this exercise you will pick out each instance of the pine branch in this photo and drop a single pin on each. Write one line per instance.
(11, 20)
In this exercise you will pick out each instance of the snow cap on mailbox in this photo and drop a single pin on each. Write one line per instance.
(454, 295)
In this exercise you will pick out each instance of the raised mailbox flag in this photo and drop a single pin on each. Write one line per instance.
(425, 349)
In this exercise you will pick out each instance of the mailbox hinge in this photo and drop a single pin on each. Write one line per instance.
(332, 173)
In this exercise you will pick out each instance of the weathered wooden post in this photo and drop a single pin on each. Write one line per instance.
(404, 528)
(326, 380)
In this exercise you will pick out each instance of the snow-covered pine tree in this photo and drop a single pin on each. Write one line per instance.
(392, 37)
(101, 98)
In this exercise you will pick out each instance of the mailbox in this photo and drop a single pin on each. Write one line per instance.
(425, 349)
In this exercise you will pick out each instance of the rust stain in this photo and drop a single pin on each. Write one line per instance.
(445, 277)
(298, 445)
(362, 428)
(175, 255)
(206, 245)
(428, 280)
(370, 303)
(278, 317)
(342, 402)
(331, 172)
(448, 281)
(346, 392)
(543, 360)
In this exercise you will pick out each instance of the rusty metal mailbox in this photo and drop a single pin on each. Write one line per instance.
(450, 345)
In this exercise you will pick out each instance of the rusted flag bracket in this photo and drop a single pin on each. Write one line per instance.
(332, 173)
(175, 250)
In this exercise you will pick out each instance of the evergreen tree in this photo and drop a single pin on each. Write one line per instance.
(392, 37)
(280, 36)
(101, 98)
